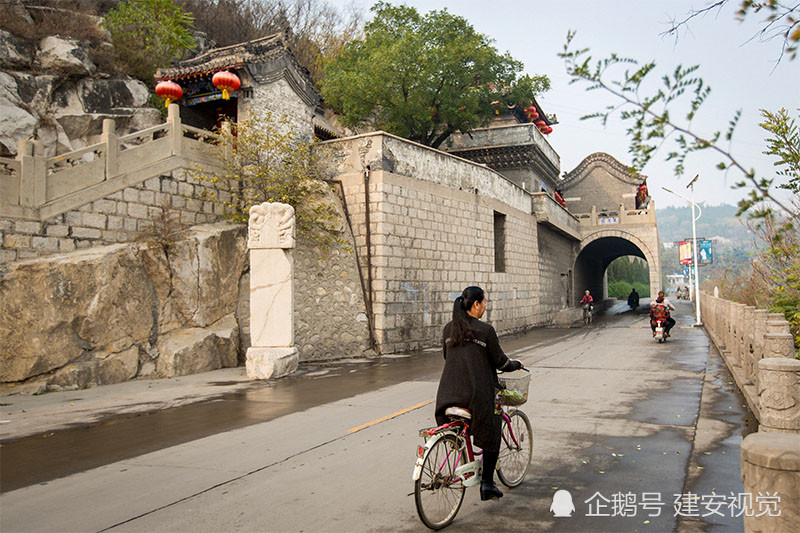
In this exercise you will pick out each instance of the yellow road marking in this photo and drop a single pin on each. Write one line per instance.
(389, 417)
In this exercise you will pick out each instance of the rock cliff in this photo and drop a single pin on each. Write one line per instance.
(109, 314)
(52, 88)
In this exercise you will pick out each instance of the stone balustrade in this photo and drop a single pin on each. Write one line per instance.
(745, 336)
(34, 187)
(758, 348)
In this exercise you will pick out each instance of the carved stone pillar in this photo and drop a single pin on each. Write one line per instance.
(770, 463)
(748, 330)
(737, 315)
(779, 394)
(759, 330)
(271, 237)
(778, 340)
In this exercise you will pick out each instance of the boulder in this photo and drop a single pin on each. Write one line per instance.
(67, 56)
(74, 376)
(118, 367)
(105, 96)
(192, 350)
(36, 91)
(57, 309)
(205, 270)
(16, 122)
(15, 53)
(53, 139)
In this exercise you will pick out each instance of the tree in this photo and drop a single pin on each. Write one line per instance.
(148, 34)
(782, 21)
(423, 77)
(317, 31)
(265, 160)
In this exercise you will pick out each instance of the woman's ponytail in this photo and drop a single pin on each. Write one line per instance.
(460, 332)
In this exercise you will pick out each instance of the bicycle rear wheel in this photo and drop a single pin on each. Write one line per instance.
(515, 456)
(437, 494)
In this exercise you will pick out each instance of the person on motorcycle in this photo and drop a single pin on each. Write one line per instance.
(633, 299)
(659, 309)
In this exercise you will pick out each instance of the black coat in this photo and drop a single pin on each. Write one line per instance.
(469, 379)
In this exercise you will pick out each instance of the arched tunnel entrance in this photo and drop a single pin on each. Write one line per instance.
(598, 250)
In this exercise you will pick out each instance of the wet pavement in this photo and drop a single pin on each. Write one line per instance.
(46, 448)
(612, 411)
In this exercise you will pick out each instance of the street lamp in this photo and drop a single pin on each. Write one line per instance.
(694, 246)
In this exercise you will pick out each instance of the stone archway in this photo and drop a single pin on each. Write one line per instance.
(599, 248)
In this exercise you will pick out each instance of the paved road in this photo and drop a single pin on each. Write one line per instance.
(332, 450)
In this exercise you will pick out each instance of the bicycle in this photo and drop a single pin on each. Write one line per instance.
(587, 314)
(446, 463)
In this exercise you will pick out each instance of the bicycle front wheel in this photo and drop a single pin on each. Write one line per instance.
(438, 493)
(516, 449)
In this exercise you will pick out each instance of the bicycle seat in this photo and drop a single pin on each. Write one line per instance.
(459, 412)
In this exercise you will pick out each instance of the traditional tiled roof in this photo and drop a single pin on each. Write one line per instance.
(237, 55)
(616, 169)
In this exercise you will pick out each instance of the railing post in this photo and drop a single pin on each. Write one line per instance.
(226, 138)
(779, 394)
(622, 213)
(594, 216)
(39, 175)
(112, 147)
(759, 330)
(175, 130)
(778, 340)
(26, 173)
(747, 345)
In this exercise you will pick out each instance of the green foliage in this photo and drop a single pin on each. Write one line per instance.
(784, 144)
(625, 274)
(265, 160)
(423, 77)
(164, 227)
(148, 34)
(651, 122)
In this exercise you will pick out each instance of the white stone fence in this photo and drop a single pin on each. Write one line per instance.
(34, 187)
(758, 348)
(618, 216)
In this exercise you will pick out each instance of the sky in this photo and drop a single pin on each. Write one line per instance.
(741, 70)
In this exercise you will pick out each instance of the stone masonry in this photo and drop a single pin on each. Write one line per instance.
(119, 217)
(432, 232)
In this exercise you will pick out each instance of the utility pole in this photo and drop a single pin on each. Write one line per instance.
(695, 257)
(694, 247)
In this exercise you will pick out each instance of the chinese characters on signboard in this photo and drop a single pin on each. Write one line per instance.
(705, 250)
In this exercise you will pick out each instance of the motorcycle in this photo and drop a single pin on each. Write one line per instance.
(658, 318)
(659, 333)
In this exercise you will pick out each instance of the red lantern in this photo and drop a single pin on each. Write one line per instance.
(532, 110)
(534, 115)
(540, 124)
(547, 130)
(169, 91)
(227, 81)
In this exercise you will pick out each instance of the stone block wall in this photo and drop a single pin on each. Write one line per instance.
(119, 217)
(432, 233)
(556, 258)
(599, 181)
(279, 99)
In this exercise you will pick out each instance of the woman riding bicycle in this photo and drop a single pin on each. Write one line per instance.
(472, 357)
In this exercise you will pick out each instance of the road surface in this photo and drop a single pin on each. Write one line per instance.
(613, 412)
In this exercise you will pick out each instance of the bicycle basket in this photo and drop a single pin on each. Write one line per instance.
(515, 387)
